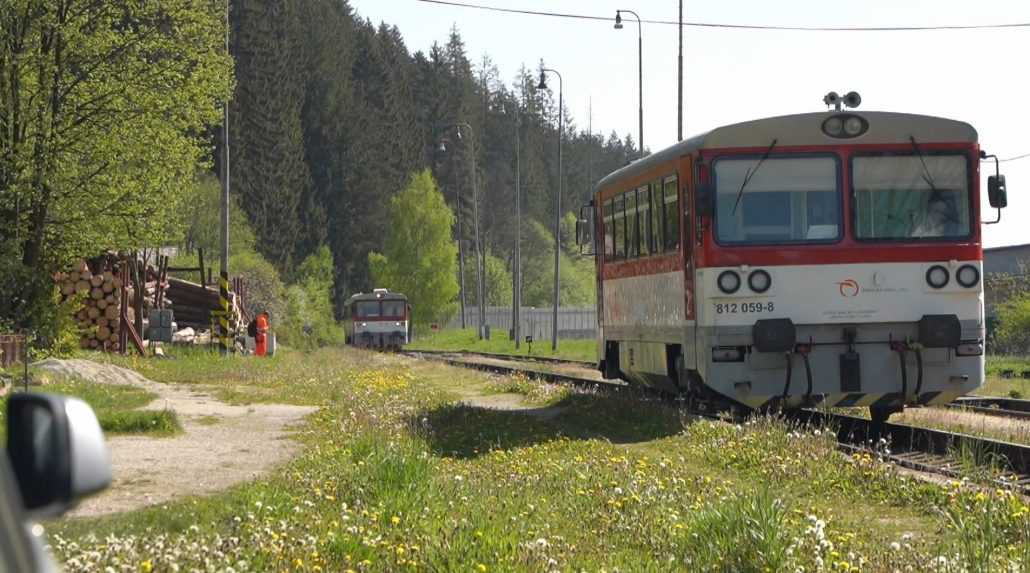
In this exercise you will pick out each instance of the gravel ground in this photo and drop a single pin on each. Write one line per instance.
(221, 445)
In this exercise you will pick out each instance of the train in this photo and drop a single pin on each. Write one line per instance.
(827, 259)
(380, 319)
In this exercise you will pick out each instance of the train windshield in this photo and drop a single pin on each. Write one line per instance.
(367, 308)
(911, 197)
(778, 200)
(393, 308)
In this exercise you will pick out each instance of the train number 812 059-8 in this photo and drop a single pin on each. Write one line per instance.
(743, 307)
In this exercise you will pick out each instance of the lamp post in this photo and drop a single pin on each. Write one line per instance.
(557, 204)
(460, 247)
(475, 226)
(640, 68)
(516, 289)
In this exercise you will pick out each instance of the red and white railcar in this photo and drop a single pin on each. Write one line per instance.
(379, 319)
(824, 258)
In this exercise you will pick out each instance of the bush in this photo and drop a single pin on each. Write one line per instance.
(1012, 334)
(265, 290)
(308, 320)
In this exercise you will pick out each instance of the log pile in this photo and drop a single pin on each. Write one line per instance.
(100, 290)
(98, 283)
(193, 304)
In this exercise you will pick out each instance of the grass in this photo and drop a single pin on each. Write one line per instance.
(458, 339)
(116, 407)
(396, 476)
(967, 422)
(1005, 377)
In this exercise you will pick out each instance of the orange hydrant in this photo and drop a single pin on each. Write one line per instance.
(261, 340)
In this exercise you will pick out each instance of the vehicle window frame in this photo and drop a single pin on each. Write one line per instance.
(632, 226)
(619, 216)
(644, 248)
(671, 240)
(839, 182)
(608, 223)
(358, 304)
(970, 180)
(657, 207)
(382, 308)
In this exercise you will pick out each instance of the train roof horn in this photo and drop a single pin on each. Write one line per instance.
(851, 100)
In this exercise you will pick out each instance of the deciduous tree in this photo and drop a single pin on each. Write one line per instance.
(420, 259)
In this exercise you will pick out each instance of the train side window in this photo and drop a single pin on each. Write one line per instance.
(609, 230)
(644, 218)
(632, 228)
(656, 217)
(618, 212)
(672, 220)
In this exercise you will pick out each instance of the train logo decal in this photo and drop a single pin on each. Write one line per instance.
(848, 288)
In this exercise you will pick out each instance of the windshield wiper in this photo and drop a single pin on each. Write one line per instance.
(750, 173)
(927, 178)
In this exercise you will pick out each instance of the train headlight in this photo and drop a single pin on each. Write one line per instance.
(833, 127)
(729, 282)
(968, 276)
(759, 281)
(845, 125)
(853, 126)
(937, 276)
(364, 324)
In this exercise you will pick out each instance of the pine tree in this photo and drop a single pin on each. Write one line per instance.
(268, 167)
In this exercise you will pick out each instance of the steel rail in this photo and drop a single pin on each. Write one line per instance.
(994, 406)
(510, 357)
(922, 449)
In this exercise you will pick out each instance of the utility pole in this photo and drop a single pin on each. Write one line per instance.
(517, 255)
(557, 207)
(679, 100)
(223, 283)
(461, 259)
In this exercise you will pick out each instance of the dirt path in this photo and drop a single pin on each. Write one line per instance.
(221, 444)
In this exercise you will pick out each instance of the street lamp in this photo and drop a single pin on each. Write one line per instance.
(516, 279)
(640, 68)
(475, 225)
(461, 249)
(557, 204)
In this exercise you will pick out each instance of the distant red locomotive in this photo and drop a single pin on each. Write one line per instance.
(380, 319)
(826, 258)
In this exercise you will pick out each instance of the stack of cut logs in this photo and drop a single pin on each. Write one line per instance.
(102, 296)
(99, 284)
(194, 303)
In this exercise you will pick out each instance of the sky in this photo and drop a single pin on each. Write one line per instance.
(976, 76)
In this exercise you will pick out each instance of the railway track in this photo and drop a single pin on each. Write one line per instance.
(994, 406)
(922, 449)
(499, 356)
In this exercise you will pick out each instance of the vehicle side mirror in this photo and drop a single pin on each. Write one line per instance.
(57, 451)
(996, 193)
(705, 198)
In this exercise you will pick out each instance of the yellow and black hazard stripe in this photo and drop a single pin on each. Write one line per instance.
(224, 336)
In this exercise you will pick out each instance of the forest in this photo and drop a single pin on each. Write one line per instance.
(112, 114)
(332, 114)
